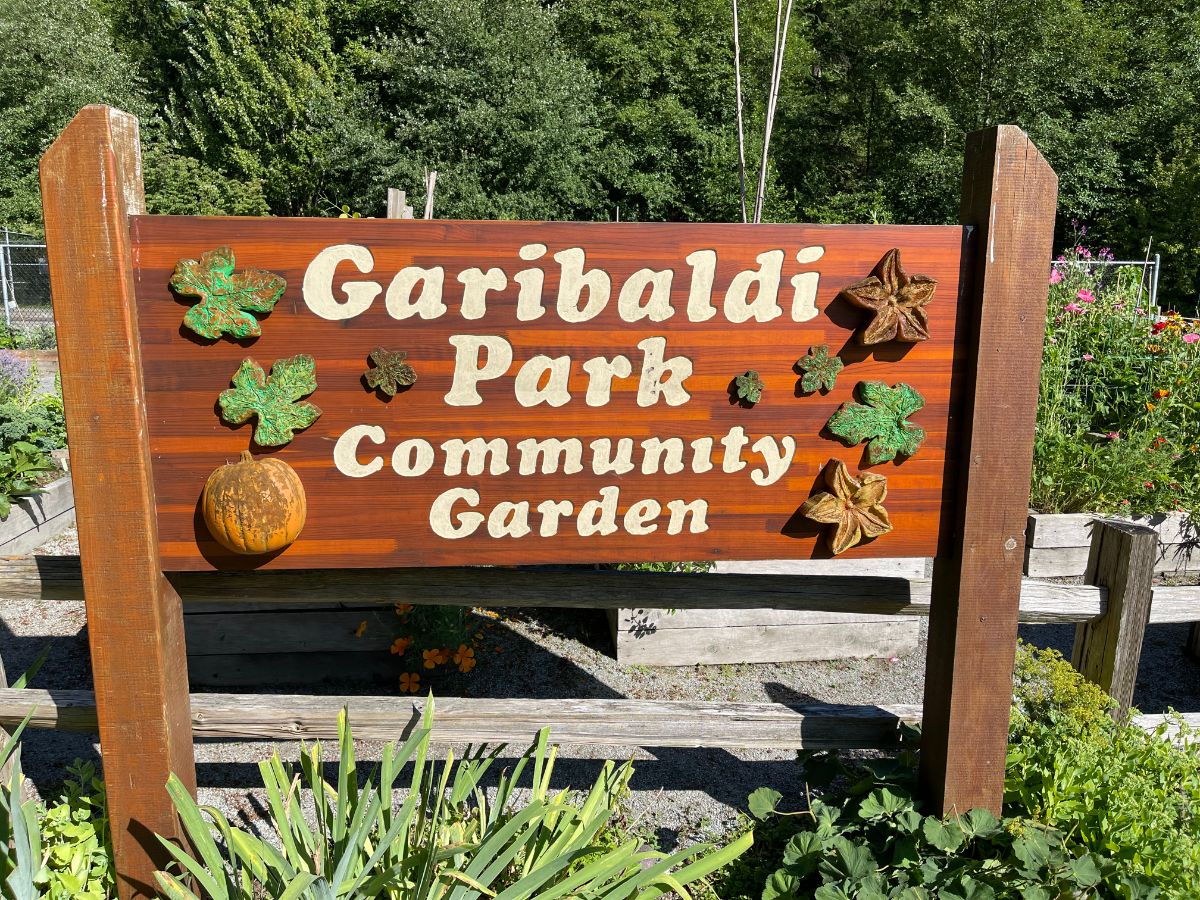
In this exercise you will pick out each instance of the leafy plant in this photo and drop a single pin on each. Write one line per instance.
(40, 422)
(16, 376)
(77, 854)
(447, 839)
(20, 837)
(20, 466)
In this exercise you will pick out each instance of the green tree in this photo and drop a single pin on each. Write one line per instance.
(483, 92)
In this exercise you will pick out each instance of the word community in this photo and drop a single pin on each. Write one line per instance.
(452, 514)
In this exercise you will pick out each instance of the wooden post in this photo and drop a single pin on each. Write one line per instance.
(1107, 649)
(397, 205)
(91, 184)
(1009, 194)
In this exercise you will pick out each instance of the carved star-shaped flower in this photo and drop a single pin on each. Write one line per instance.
(882, 420)
(273, 400)
(820, 369)
(226, 297)
(896, 298)
(749, 387)
(854, 505)
(390, 372)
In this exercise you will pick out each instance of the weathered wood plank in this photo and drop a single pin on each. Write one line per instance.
(1059, 562)
(767, 643)
(1048, 530)
(893, 567)
(1008, 197)
(91, 184)
(1107, 649)
(57, 578)
(646, 723)
(1175, 604)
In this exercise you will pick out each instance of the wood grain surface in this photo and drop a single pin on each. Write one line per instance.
(383, 519)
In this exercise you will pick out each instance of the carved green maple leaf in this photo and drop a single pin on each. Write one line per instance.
(749, 387)
(881, 419)
(273, 400)
(226, 297)
(390, 372)
(820, 369)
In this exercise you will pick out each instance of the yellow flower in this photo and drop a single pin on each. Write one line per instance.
(1150, 406)
(403, 609)
(400, 645)
(410, 682)
(361, 629)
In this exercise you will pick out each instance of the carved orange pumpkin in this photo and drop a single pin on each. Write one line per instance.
(254, 506)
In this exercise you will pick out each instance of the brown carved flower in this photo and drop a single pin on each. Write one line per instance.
(854, 505)
(897, 299)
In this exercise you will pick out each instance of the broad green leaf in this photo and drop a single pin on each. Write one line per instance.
(945, 836)
(764, 802)
(847, 860)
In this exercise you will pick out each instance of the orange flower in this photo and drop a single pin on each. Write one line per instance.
(1150, 406)
(431, 658)
(410, 682)
(464, 656)
(400, 644)
(403, 609)
(1161, 394)
(361, 629)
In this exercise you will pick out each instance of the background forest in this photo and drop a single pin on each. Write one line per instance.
(569, 109)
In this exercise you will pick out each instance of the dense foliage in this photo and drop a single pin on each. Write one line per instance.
(575, 108)
(1093, 808)
(1119, 412)
(31, 427)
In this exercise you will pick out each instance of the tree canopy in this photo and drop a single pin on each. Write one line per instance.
(575, 109)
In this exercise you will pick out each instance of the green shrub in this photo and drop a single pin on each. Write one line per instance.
(447, 839)
(1093, 808)
(1119, 408)
(40, 423)
(75, 840)
(21, 467)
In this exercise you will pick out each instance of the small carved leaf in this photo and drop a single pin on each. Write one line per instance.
(882, 420)
(820, 369)
(853, 505)
(273, 400)
(390, 372)
(749, 387)
(226, 298)
(896, 298)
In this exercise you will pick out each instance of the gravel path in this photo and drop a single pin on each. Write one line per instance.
(678, 796)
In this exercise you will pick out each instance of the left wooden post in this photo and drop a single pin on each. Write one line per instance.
(91, 181)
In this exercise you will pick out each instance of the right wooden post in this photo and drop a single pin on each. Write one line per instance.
(1009, 195)
(1108, 649)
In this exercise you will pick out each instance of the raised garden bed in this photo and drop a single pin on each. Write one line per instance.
(35, 520)
(1056, 544)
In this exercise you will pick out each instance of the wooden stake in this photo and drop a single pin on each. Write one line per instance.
(1107, 649)
(741, 132)
(430, 184)
(781, 31)
(91, 184)
(1009, 194)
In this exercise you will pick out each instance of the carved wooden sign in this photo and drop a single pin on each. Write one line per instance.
(535, 392)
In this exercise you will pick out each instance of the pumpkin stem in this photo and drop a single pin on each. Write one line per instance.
(246, 457)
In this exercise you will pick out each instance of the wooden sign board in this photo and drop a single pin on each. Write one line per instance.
(575, 397)
(597, 337)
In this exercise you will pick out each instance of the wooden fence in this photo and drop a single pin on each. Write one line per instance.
(1111, 613)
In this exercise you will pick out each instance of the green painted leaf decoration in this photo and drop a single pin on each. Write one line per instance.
(881, 420)
(820, 369)
(749, 387)
(227, 298)
(390, 372)
(273, 400)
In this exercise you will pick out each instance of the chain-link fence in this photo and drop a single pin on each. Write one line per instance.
(24, 283)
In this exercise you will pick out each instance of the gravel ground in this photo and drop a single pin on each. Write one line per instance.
(679, 795)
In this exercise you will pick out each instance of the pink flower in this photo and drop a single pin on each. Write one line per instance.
(1191, 338)
(1087, 357)
(1113, 435)
(1055, 276)
(1086, 296)
(1073, 308)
